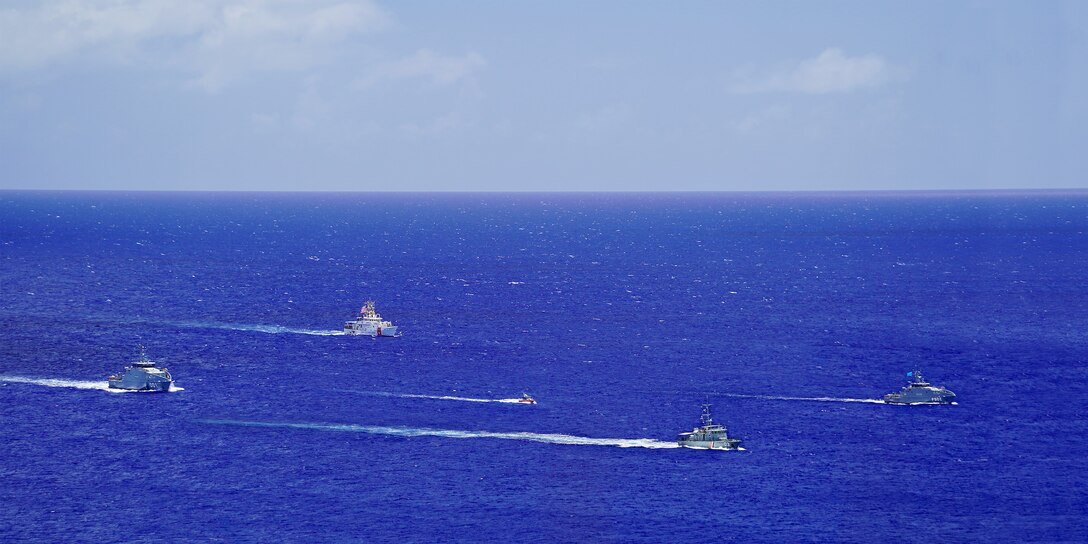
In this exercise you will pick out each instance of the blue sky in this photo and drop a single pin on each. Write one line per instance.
(558, 95)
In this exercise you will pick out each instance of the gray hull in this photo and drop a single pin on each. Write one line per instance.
(150, 386)
(921, 395)
(727, 444)
(708, 435)
(919, 391)
(137, 379)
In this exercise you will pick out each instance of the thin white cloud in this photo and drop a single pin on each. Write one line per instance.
(830, 72)
(265, 122)
(603, 119)
(436, 69)
(444, 123)
(756, 120)
(211, 42)
(310, 107)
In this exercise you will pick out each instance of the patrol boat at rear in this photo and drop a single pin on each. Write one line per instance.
(708, 435)
(919, 391)
(369, 323)
(142, 375)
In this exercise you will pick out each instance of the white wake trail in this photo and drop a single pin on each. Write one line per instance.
(56, 382)
(813, 399)
(275, 329)
(267, 329)
(515, 400)
(410, 432)
(74, 384)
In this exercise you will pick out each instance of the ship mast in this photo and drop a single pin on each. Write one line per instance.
(705, 417)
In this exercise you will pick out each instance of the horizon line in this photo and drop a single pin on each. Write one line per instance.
(1053, 190)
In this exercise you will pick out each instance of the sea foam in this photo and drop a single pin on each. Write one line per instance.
(410, 432)
(813, 399)
(515, 400)
(102, 385)
(267, 329)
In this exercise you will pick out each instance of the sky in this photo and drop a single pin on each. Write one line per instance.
(562, 95)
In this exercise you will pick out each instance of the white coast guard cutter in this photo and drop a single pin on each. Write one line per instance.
(369, 323)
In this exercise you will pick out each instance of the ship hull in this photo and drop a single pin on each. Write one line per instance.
(913, 398)
(918, 402)
(387, 332)
(708, 445)
(920, 391)
(151, 387)
(139, 379)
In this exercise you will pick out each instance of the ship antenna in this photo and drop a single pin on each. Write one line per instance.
(705, 418)
(143, 354)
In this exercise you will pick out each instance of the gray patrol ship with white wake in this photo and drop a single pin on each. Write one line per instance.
(142, 375)
(708, 435)
(919, 391)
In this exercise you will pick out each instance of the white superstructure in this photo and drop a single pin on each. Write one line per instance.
(369, 323)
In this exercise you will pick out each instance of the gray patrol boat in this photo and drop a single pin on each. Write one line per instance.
(708, 435)
(142, 375)
(919, 391)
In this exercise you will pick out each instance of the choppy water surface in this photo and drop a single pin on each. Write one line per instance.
(794, 314)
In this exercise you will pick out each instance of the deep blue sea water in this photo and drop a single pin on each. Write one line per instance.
(619, 312)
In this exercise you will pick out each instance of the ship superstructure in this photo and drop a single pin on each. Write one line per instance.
(708, 435)
(142, 375)
(919, 391)
(369, 323)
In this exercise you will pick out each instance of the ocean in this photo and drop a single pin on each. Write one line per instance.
(793, 314)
